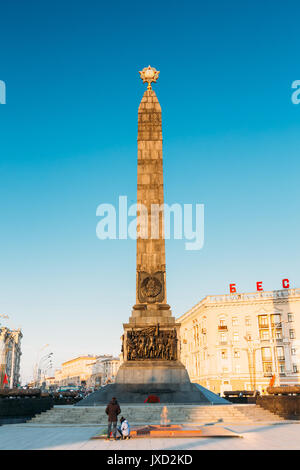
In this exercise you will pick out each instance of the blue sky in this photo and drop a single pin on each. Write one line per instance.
(68, 143)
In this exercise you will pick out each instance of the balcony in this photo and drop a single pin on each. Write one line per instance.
(264, 325)
(268, 374)
(222, 328)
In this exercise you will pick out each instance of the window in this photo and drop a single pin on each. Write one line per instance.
(248, 321)
(264, 335)
(278, 334)
(290, 317)
(267, 366)
(223, 338)
(280, 353)
(235, 321)
(293, 351)
(263, 321)
(266, 354)
(235, 336)
(275, 319)
(222, 324)
(281, 368)
(295, 368)
(292, 334)
(236, 353)
(224, 354)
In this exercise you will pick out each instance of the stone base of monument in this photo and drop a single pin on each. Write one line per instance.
(168, 393)
(173, 431)
(152, 372)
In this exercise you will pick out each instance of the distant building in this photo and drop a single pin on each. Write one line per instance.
(49, 382)
(110, 369)
(75, 371)
(92, 371)
(241, 341)
(10, 355)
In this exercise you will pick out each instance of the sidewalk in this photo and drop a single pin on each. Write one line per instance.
(267, 437)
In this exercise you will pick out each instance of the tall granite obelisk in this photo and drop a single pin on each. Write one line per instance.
(151, 346)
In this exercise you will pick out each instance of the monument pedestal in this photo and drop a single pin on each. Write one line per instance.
(185, 393)
(152, 372)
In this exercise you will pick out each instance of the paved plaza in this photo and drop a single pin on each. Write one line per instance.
(283, 436)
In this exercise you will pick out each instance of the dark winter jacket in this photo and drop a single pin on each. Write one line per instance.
(113, 410)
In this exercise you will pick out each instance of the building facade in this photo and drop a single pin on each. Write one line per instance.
(110, 369)
(91, 371)
(10, 356)
(242, 341)
(75, 371)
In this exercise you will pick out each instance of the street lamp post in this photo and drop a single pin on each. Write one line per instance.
(251, 351)
(43, 359)
(35, 369)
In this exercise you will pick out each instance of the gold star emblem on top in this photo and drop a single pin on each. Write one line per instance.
(149, 75)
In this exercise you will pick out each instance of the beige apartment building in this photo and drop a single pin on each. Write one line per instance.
(75, 371)
(243, 341)
(93, 371)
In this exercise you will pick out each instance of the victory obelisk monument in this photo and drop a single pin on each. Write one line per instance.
(151, 338)
(151, 343)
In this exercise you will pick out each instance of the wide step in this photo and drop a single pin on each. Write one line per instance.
(177, 414)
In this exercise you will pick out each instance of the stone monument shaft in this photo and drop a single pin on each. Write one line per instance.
(150, 262)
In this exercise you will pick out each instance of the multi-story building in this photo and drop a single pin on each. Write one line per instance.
(75, 371)
(10, 355)
(103, 370)
(242, 341)
(92, 371)
(110, 369)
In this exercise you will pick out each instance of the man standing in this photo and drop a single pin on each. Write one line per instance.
(112, 410)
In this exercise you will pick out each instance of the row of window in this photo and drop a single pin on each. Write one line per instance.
(267, 369)
(235, 321)
(266, 353)
(264, 323)
(263, 320)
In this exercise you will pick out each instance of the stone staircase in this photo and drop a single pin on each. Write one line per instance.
(150, 414)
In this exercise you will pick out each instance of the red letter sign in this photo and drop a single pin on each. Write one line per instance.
(232, 288)
(285, 283)
(259, 286)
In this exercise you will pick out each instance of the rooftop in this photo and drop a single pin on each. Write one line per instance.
(277, 295)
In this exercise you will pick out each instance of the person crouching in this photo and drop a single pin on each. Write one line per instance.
(124, 428)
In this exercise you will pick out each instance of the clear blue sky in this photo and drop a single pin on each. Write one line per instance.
(68, 143)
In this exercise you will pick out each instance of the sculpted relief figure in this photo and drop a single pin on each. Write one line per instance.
(152, 344)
